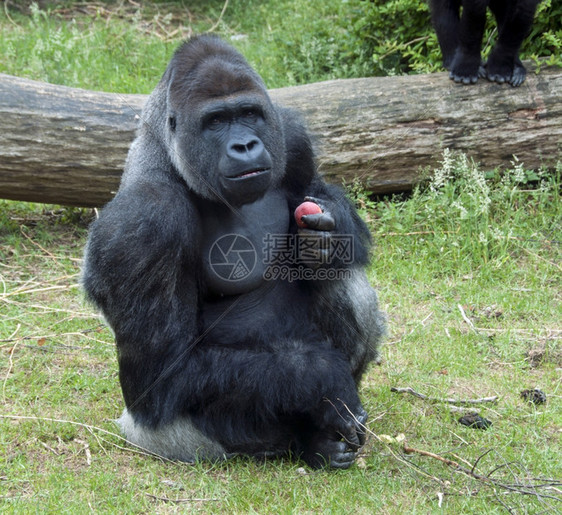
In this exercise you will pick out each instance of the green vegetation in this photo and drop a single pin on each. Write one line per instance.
(468, 268)
(124, 46)
(396, 47)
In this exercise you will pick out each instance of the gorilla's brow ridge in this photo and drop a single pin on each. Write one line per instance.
(218, 80)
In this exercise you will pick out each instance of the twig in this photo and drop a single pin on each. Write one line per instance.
(35, 290)
(99, 439)
(478, 459)
(466, 319)
(508, 508)
(6, 12)
(84, 333)
(190, 499)
(36, 244)
(447, 401)
(48, 309)
(413, 233)
(10, 365)
(138, 449)
(86, 450)
(220, 17)
(49, 448)
(525, 489)
(394, 454)
(518, 330)
(24, 287)
(411, 450)
(414, 329)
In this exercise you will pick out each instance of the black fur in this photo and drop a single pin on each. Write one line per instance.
(460, 38)
(211, 368)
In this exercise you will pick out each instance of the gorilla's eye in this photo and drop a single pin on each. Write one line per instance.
(251, 114)
(216, 119)
(172, 122)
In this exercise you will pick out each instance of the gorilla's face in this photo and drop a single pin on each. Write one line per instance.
(225, 135)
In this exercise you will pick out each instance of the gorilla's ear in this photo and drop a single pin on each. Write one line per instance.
(172, 123)
(171, 114)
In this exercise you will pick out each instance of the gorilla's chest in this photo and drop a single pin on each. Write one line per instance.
(237, 243)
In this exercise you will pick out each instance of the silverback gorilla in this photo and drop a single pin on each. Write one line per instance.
(219, 356)
(460, 38)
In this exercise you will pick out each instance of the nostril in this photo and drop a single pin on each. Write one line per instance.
(238, 148)
(243, 148)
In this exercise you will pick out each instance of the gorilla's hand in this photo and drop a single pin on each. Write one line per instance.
(315, 239)
(349, 422)
(319, 222)
(327, 450)
(338, 447)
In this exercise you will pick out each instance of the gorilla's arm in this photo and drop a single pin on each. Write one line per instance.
(287, 379)
(140, 264)
(346, 307)
(302, 180)
(133, 272)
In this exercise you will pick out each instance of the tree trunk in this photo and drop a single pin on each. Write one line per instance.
(68, 146)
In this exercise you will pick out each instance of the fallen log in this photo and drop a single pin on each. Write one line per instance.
(68, 146)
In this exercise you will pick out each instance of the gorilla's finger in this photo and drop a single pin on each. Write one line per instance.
(360, 421)
(317, 201)
(320, 221)
(350, 436)
(343, 460)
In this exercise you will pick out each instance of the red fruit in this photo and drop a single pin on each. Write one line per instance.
(306, 208)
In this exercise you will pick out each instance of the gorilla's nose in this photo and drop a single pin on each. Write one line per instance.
(245, 150)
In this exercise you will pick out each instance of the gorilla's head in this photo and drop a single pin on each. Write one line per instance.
(224, 136)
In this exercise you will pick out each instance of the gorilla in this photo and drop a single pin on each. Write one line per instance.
(460, 38)
(239, 329)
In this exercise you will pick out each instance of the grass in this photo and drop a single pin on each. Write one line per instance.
(122, 48)
(468, 269)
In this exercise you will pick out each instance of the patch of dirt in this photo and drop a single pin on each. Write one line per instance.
(165, 20)
(546, 350)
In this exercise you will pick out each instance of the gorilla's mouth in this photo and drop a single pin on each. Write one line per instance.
(250, 173)
(246, 186)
